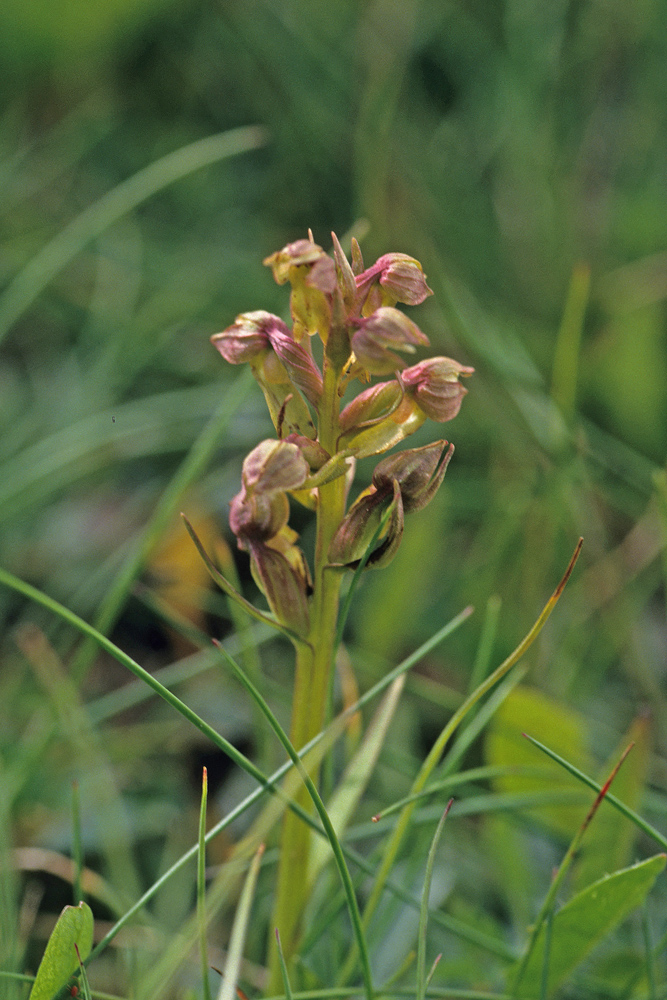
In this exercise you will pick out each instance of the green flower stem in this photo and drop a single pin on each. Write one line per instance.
(314, 664)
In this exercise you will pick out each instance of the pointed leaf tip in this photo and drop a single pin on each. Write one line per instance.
(73, 928)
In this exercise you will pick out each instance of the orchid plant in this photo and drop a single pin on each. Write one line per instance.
(352, 310)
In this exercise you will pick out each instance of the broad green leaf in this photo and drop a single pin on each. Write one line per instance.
(608, 843)
(526, 710)
(633, 342)
(74, 926)
(582, 923)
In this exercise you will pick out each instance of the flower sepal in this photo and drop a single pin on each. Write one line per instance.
(375, 515)
(434, 385)
(380, 335)
(394, 277)
(401, 483)
(312, 275)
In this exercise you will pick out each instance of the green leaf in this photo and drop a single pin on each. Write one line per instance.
(582, 922)
(55, 255)
(74, 926)
(526, 709)
(609, 842)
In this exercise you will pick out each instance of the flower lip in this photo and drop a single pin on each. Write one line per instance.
(247, 337)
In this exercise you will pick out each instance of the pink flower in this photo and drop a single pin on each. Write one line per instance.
(379, 335)
(393, 278)
(312, 275)
(435, 387)
(401, 483)
(258, 517)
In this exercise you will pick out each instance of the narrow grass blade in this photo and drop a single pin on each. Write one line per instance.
(409, 662)
(648, 951)
(485, 648)
(70, 241)
(239, 930)
(157, 424)
(396, 839)
(568, 341)
(400, 972)
(550, 899)
(489, 800)
(77, 852)
(88, 754)
(431, 971)
(201, 888)
(324, 818)
(283, 968)
(83, 978)
(345, 799)
(226, 586)
(135, 692)
(72, 619)
(610, 842)
(437, 992)
(39, 859)
(479, 720)
(548, 930)
(422, 982)
(611, 799)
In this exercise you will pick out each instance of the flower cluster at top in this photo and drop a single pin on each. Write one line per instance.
(352, 309)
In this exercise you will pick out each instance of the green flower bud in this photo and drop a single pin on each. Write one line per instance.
(379, 418)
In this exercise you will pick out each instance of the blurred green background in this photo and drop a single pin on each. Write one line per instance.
(519, 151)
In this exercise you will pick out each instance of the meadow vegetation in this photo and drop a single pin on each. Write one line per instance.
(151, 156)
